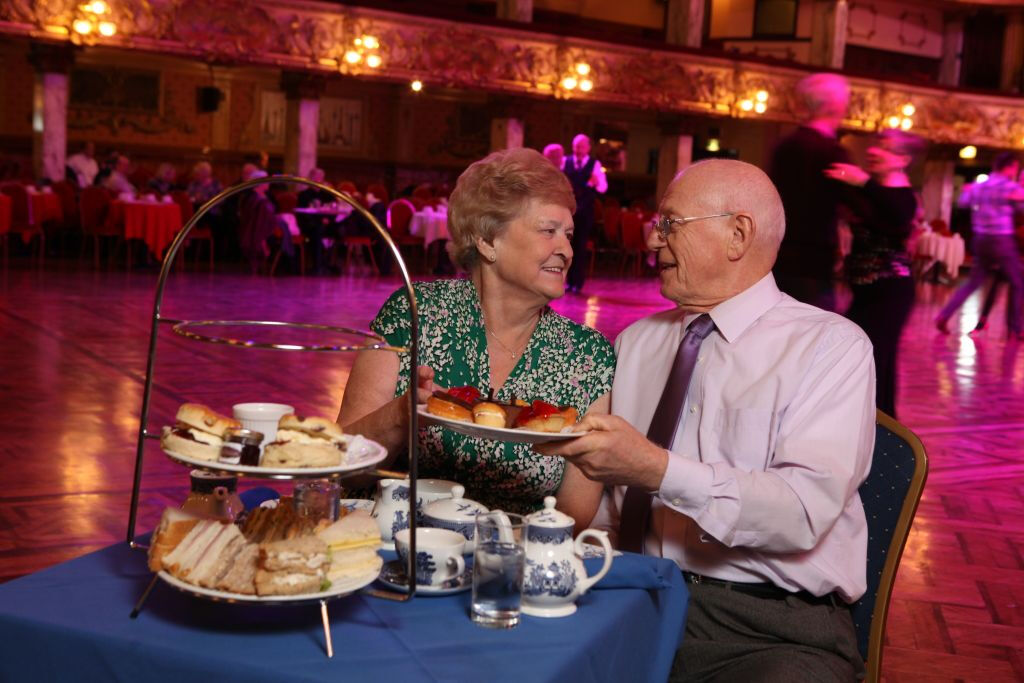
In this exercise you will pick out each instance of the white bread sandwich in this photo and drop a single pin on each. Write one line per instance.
(306, 442)
(352, 544)
(198, 432)
(195, 559)
(292, 566)
(173, 527)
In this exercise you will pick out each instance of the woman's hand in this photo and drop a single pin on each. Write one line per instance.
(425, 386)
(848, 173)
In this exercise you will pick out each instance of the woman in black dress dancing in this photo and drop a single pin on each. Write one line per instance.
(878, 266)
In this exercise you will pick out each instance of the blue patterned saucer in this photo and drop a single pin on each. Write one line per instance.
(392, 575)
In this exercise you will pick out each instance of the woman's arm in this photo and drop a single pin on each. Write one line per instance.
(369, 405)
(578, 496)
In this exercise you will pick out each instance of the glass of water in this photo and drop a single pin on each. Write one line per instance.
(498, 563)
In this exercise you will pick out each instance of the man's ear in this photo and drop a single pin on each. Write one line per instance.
(741, 236)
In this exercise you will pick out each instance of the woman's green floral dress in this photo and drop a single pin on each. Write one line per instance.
(564, 363)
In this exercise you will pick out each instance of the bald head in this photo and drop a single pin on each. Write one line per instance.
(725, 186)
(733, 244)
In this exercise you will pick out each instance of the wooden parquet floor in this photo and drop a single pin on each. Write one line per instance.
(72, 363)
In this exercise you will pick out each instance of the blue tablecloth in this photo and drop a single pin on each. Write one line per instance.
(70, 622)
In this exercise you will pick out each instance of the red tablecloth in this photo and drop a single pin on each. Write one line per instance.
(43, 207)
(154, 224)
(5, 214)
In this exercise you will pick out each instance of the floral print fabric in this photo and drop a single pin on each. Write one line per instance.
(564, 363)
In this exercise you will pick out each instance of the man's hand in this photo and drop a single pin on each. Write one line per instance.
(613, 453)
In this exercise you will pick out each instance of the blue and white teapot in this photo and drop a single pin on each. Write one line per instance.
(555, 575)
(456, 514)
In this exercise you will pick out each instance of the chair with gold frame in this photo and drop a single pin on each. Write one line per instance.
(890, 496)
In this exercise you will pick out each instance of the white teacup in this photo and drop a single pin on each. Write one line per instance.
(261, 417)
(438, 554)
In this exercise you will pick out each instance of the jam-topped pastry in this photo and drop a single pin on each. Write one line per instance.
(466, 404)
(541, 416)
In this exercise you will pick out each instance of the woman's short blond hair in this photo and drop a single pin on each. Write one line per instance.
(494, 191)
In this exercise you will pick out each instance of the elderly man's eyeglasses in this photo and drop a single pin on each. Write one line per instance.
(664, 223)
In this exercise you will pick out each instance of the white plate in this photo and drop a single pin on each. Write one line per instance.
(361, 453)
(337, 589)
(392, 575)
(496, 433)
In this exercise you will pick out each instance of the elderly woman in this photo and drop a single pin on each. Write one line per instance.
(510, 219)
(878, 266)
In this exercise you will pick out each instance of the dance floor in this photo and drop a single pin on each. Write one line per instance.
(72, 365)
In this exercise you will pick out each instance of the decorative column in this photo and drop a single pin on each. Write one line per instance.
(937, 191)
(828, 39)
(302, 119)
(952, 46)
(684, 23)
(52, 64)
(221, 133)
(515, 10)
(1012, 79)
(675, 154)
(506, 133)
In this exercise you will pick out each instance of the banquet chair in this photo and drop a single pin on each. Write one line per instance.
(633, 243)
(200, 233)
(400, 214)
(890, 495)
(93, 205)
(67, 193)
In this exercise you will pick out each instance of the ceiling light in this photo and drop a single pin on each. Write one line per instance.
(586, 85)
(908, 109)
(761, 96)
(569, 83)
(416, 85)
(373, 61)
(968, 152)
(583, 68)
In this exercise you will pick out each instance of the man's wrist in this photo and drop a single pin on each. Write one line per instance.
(656, 472)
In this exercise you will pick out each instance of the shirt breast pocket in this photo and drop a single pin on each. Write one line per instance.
(745, 436)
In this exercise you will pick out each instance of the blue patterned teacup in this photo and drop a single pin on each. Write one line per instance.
(438, 554)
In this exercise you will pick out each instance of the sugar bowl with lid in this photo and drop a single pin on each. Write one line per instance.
(456, 514)
(555, 576)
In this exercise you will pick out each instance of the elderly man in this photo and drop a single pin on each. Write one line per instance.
(810, 254)
(748, 474)
(587, 177)
(555, 154)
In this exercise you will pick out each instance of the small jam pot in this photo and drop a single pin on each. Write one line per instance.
(241, 447)
(213, 496)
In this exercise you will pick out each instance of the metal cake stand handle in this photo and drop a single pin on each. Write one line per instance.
(186, 328)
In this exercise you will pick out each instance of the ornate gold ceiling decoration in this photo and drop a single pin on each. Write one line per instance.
(302, 34)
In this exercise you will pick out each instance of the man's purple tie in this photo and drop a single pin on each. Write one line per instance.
(636, 506)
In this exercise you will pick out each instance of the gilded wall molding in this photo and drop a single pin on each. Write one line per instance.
(315, 36)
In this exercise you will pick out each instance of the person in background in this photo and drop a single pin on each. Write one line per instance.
(317, 226)
(163, 182)
(994, 242)
(203, 186)
(878, 266)
(83, 164)
(742, 424)
(117, 181)
(555, 153)
(510, 218)
(260, 230)
(588, 179)
(809, 255)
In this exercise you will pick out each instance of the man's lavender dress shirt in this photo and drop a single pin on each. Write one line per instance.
(775, 438)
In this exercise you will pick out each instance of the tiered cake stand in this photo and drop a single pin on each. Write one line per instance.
(199, 330)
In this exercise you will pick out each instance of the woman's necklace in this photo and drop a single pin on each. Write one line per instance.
(511, 353)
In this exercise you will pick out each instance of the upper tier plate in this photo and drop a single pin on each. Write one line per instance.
(496, 433)
(338, 589)
(362, 453)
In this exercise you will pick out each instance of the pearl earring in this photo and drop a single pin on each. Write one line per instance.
(492, 258)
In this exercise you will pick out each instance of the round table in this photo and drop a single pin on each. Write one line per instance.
(5, 214)
(430, 224)
(933, 247)
(154, 223)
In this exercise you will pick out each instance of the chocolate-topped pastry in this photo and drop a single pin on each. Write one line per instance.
(444, 404)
